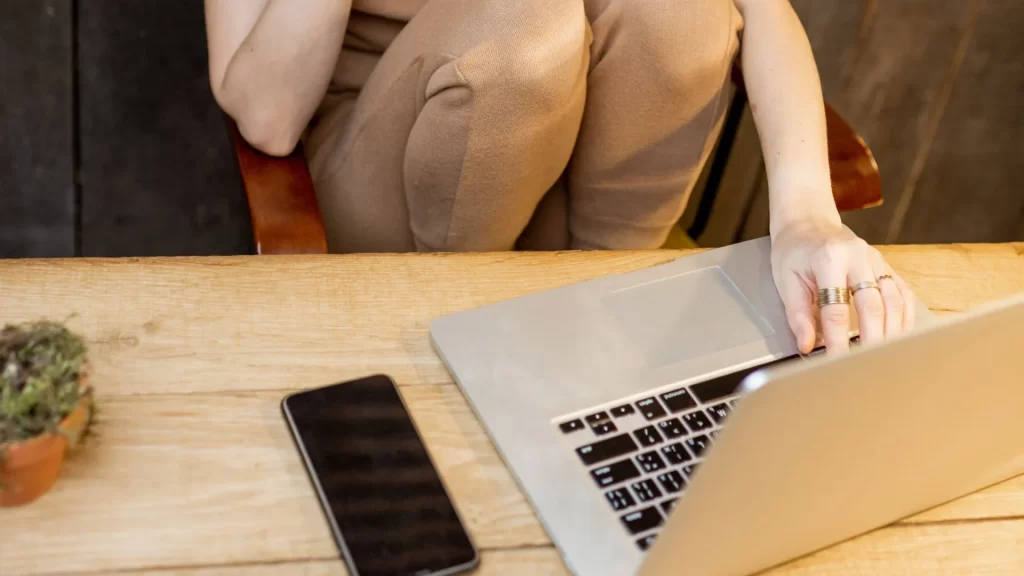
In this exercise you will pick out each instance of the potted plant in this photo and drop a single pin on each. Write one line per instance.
(45, 406)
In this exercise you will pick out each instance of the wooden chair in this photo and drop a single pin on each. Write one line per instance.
(286, 218)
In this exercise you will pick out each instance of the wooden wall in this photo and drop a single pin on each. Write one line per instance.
(936, 88)
(111, 143)
(37, 193)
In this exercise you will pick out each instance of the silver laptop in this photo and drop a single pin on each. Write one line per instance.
(662, 421)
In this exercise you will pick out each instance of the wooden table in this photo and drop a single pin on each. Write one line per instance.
(190, 469)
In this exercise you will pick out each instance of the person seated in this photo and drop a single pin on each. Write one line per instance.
(487, 125)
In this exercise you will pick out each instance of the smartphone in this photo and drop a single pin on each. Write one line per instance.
(388, 508)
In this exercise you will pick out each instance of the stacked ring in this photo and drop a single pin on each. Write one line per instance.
(827, 296)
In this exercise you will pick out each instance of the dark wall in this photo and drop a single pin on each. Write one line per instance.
(935, 89)
(111, 143)
(37, 194)
(115, 91)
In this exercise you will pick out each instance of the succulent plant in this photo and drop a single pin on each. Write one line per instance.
(40, 368)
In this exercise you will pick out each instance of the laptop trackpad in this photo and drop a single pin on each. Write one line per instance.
(686, 316)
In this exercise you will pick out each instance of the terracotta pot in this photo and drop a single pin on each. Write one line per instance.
(29, 468)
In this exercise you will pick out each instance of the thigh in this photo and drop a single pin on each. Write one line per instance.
(668, 64)
(467, 119)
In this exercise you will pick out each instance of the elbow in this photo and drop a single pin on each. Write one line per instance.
(269, 132)
(261, 123)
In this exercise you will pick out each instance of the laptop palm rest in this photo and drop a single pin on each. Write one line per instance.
(686, 316)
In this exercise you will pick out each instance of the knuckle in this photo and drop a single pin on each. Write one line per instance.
(831, 252)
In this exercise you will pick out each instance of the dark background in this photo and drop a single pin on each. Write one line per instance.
(111, 143)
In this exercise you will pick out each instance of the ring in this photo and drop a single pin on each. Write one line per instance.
(863, 285)
(886, 277)
(827, 296)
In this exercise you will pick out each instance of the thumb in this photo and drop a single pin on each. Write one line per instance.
(798, 301)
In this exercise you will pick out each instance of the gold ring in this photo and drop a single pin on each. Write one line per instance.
(886, 277)
(863, 285)
(827, 296)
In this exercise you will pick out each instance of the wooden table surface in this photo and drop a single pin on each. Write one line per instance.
(190, 469)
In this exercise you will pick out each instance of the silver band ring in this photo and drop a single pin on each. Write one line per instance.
(863, 285)
(827, 296)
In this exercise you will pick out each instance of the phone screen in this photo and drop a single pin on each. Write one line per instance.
(389, 510)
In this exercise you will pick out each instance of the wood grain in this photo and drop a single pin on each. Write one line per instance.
(885, 70)
(190, 464)
(970, 187)
(166, 472)
(978, 549)
(286, 322)
(540, 561)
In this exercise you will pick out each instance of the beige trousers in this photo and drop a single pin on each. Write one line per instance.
(486, 125)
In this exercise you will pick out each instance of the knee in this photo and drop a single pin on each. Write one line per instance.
(539, 60)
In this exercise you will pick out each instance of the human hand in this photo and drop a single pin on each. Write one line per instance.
(817, 253)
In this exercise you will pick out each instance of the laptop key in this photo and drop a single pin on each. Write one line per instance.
(672, 428)
(719, 412)
(697, 421)
(651, 408)
(675, 453)
(620, 499)
(646, 490)
(642, 520)
(614, 473)
(599, 417)
(606, 427)
(698, 444)
(689, 469)
(648, 436)
(678, 400)
(672, 481)
(727, 385)
(624, 410)
(606, 449)
(669, 505)
(571, 426)
(646, 542)
(650, 461)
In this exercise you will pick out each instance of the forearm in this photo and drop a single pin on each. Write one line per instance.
(785, 97)
(271, 62)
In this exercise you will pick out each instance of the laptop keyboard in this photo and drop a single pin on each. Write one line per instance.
(642, 454)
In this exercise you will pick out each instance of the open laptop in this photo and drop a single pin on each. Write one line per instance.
(661, 422)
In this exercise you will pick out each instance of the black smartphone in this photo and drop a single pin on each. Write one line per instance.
(385, 502)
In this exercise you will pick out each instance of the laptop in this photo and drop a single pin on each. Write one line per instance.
(663, 422)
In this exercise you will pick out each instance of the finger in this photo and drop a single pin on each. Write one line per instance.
(909, 299)
(798, 300)
(835, 318)
(894, 304)
(870, 307)
(909, 303)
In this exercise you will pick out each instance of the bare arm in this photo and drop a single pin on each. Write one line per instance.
(271, 62)
(785, 96)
